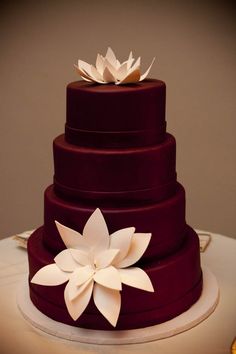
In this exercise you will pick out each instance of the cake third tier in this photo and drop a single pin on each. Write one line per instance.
(165, 219)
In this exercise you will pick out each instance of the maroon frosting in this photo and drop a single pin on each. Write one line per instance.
(108, 175)
(165, 219)
(115, 116)
(116, 155)
(177, 281)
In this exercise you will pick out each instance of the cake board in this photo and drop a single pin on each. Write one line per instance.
(190, 318)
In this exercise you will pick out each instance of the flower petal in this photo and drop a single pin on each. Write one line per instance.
(65, 261)
(81, 275)
(82, 257)
(83, 74)
(137, 278)
(96, 233)
(78, 281)
(111, 68)
(50, 275)
(137, 248)
(118, 64)
(85, 67)
(132, 77)
(85, 79)
(105, 258)
(108, 277)
(110, 56)
(100, 64)
(108, 302)
(77, 306)
(74, 290)
(136, 64)
(108, 76)
(96, 75)
(122, 71)
(71, 238)
(121, 240)
(130, 60)
(147, 71)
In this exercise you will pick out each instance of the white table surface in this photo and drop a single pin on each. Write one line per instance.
(214, 335)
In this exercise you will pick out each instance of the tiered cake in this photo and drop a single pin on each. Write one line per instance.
(116, 155)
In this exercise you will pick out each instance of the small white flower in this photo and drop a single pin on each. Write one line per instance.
(108, 69)
(97, 264)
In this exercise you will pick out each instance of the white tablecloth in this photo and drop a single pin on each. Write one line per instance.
(214, 335)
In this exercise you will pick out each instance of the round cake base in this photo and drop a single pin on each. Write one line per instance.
(190, 318)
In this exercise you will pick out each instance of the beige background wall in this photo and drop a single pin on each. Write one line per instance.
(194, 43)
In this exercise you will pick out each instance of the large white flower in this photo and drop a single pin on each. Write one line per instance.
(108, 69)
(97, 264)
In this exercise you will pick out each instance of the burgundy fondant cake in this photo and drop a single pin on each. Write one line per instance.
(116, 155)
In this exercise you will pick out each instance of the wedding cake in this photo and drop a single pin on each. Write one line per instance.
(115, 251)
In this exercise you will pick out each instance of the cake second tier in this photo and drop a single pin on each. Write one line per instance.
(108, 175)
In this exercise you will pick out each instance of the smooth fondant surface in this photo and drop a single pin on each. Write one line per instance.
(115, 116)
(117, 156)
(165, 219)
(177, 289)
(146, 173)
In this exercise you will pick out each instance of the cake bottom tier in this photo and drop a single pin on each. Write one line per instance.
(177, 281)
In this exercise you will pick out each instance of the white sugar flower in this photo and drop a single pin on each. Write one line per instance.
(108, 69)
(97, 264)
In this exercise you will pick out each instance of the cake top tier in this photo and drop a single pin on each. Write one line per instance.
(116, 116)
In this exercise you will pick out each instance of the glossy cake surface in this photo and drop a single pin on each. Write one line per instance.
(116, 155)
